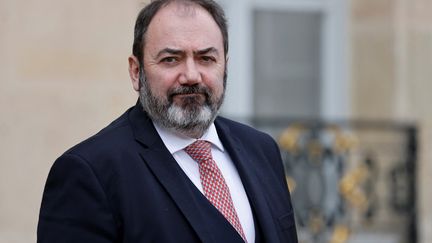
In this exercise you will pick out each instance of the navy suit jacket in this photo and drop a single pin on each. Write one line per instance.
(123, 185)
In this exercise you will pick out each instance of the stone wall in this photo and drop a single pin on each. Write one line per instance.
(63, 75)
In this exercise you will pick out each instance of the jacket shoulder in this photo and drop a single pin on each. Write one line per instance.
(242, 130)
(113, 137)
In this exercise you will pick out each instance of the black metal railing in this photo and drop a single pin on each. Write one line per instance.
(349, 180)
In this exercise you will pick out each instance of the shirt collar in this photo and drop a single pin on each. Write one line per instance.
(176, 142)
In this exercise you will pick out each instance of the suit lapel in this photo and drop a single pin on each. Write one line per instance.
(246, 167)
(173, 179)
(167, 171)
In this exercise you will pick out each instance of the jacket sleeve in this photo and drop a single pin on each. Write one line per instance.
(74, 205)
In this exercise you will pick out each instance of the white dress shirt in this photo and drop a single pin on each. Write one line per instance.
(176, 143)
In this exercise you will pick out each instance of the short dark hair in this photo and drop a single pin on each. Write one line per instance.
(148, 12)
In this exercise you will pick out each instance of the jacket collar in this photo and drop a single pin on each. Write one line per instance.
(247, 166)
(167, 171)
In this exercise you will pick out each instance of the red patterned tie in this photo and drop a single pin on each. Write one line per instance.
(214, 186)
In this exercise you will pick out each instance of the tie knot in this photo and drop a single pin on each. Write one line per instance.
(200, 150)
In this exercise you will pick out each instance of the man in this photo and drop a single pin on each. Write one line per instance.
(168, 170)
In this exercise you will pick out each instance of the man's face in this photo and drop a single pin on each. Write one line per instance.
(184, 64)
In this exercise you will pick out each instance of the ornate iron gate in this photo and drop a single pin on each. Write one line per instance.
(350, 181)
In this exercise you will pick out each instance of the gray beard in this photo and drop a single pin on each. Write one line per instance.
(191, 118)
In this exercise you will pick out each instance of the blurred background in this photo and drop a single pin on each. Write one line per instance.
(342, 85)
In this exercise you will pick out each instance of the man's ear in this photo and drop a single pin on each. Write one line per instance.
(134, 72)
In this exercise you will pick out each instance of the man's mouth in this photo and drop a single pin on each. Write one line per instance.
(189, 95)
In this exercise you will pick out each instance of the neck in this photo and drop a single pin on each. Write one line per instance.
(195, 132)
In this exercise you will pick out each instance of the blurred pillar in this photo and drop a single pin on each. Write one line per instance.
(391, 70)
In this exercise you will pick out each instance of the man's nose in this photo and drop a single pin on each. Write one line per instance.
(191, 74)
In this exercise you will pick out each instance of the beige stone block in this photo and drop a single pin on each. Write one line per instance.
(419, 66)
(373, 75)
(372, 10)
(419, 13)
(373, 63)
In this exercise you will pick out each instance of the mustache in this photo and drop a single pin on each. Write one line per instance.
(194, 89)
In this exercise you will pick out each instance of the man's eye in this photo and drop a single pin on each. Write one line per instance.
(207, 59)
(169, 60)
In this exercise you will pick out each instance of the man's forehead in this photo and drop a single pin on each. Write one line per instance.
(181, 8)
(185, 27)
(178, 10)
(185, 9)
